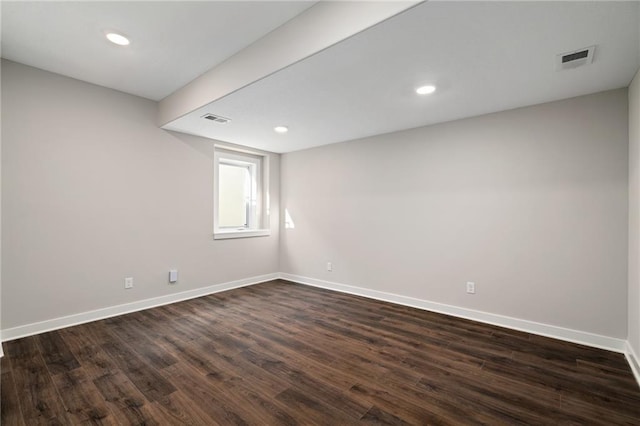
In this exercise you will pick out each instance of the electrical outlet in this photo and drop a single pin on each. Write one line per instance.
(329, 267)
(128, 283)
(173, 276)
(471, 287)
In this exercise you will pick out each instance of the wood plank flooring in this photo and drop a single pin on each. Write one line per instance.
(283, 354)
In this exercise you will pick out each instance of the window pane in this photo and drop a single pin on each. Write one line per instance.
(234, 195)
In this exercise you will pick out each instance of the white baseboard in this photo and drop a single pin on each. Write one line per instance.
(634, 362)
(574, 336)
(98, 314)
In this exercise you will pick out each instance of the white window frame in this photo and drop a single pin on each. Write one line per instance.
(258, 225)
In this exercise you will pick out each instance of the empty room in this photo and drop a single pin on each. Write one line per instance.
(320, 213)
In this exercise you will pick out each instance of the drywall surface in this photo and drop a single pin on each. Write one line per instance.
(530, 204)
(315, 29)
(1, 349)
(634, 214)
(93, 192)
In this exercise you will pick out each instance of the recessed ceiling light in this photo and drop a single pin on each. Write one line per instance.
(118, 39)
(281, 129)
(425, 90)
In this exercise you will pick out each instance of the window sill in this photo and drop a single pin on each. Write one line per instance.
(244, 233)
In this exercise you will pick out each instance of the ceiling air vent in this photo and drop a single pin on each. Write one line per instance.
(574, 59)
(216, 118)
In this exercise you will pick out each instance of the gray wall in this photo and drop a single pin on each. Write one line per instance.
(634, 214)
(93, 191)
(1, 350)
(530, 204)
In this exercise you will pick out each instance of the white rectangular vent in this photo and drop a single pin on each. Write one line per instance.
(216, 118)
(574, 59)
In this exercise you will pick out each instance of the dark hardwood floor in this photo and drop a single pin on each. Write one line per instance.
(280, 353)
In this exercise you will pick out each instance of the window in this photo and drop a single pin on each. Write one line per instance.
(241, 196)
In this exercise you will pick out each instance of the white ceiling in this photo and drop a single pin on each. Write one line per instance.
(172, 42)
(483, 57)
